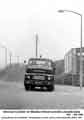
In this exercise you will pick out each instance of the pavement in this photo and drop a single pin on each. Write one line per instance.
(14, 96)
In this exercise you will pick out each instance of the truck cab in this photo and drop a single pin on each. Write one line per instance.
(39, 72)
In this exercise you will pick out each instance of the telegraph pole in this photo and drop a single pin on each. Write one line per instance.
(10, 58)
(36, 45)
(6, 56)
(17, 59)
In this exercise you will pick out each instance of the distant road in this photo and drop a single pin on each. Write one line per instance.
(14, 96)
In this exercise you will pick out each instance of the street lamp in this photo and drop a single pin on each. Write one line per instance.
(81, 69)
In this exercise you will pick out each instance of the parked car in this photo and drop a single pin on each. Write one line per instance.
(39, 73)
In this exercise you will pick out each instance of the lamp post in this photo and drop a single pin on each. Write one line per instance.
(81, 68)
(10, 54)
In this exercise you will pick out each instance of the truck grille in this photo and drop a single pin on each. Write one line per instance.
(39, 77)
(39, 71)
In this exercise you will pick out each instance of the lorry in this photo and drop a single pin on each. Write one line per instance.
(39, 72)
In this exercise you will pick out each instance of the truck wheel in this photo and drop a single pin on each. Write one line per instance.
(27, 87)
(50, 88)
(32, 87)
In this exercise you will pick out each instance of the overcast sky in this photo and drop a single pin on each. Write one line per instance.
(20, 20)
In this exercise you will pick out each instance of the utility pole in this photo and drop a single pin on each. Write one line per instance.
(17, 59)
(6, 56)
(36, 45)
(10, 58)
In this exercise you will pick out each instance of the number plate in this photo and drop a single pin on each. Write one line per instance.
(39, 77)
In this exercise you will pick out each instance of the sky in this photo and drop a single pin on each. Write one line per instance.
(21, 20)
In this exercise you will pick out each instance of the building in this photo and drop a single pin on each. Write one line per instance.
(72, 61)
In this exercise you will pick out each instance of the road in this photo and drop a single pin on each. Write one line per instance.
(14, 96)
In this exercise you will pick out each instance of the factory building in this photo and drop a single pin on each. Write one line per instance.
(72, 61)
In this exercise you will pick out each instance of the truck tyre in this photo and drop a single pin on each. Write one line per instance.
(32, 87)
(26, 87)
(50, 88)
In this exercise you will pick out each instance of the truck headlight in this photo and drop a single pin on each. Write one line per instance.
(49, 78)
(28, 77)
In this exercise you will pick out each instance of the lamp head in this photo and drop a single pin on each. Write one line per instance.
(60, 11)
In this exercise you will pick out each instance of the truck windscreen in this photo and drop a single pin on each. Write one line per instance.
(40, 63)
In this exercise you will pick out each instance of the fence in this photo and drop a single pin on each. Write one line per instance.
(68, 79)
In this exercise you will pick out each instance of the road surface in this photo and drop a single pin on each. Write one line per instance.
(14, 96)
